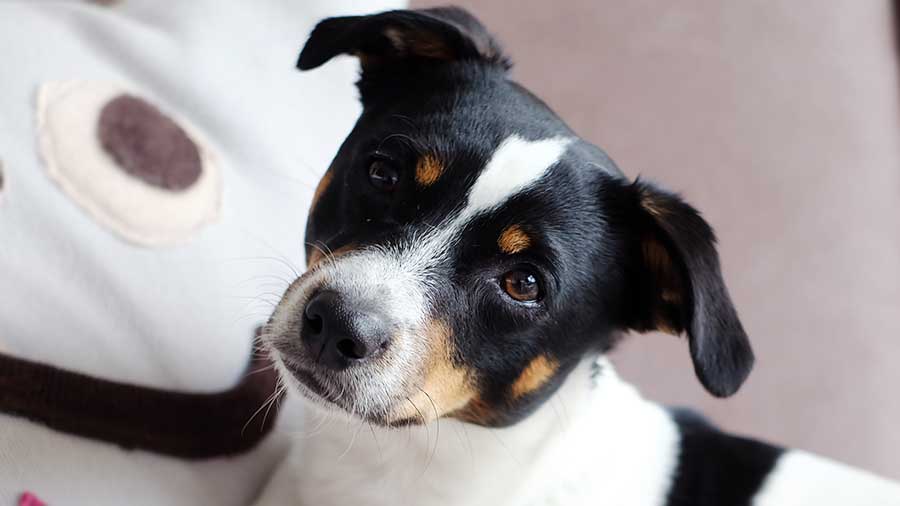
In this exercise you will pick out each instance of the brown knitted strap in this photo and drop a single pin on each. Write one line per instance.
(187, 425)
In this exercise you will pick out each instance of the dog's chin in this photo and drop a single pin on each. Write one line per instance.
(315, 391)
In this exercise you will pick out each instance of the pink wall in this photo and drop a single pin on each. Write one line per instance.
(780, 122)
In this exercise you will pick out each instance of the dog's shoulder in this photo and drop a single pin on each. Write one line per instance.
(716, 468)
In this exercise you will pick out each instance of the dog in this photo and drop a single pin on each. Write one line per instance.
(471, 261)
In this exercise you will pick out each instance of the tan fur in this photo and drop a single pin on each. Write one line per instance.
(320, 189)
(659, 262)
(534, 376)
(320, 253)
(477, 412)
(649, 203)
(419, 43)
(513, 240)
(446, 388)
(428, 170)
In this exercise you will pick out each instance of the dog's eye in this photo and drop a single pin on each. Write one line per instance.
(383, 175)
(522, 285)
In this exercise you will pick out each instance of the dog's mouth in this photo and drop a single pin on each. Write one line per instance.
(309, 381)
(314, 388)
(333, 394)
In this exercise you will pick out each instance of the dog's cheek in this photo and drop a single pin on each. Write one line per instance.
(447, 386)
(536, 374)
(507, 404)
(478, 411)
(321, 188)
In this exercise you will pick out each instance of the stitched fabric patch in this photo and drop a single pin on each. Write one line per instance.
(129, 164)
(147, 144)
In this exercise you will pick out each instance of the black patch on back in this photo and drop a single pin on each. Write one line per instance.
(717, 469)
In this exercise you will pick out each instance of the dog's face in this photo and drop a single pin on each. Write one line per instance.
(466, 249)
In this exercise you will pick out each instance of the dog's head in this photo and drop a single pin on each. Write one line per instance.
(466, 249)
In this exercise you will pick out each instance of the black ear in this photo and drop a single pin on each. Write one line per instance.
(678, 287)
(445, 33)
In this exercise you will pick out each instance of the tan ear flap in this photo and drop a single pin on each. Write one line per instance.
(668, 286)
(379, 40)
(679, 288)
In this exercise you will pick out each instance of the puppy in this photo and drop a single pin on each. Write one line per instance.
(471, 261)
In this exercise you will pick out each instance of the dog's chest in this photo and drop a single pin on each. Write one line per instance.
(623, 457)
(608, 447)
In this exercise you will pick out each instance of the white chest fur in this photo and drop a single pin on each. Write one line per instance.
(595, 442)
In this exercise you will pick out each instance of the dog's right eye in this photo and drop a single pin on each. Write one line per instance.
(383, 175)
(522, 285)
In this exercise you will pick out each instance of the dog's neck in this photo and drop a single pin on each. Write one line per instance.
(595, 438)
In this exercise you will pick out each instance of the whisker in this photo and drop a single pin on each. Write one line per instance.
(352, 441)
(437, 431)
(261, 369)
(264, 404)
(280, 389)
(377, 444)
(282, 261)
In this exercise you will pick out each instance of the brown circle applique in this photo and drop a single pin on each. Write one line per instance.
(139, 170)
(147, 144)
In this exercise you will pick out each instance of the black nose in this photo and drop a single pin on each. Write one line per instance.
(338, 336)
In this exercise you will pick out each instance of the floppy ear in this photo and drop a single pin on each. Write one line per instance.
(679, 288)
(445, 33)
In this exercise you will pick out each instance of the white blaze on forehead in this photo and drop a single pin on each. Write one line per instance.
(515, 165)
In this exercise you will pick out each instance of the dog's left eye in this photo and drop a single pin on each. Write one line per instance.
(522, 285)
(383, 175)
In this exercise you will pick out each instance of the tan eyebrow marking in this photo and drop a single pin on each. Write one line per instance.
(428, 170)
(513, 240)
(534, 376)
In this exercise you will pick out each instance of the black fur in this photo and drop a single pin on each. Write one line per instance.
(702, 307)
(716, 469)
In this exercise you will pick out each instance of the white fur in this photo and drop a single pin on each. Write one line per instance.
(514, 166)
(594, 443)
(801, 478)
